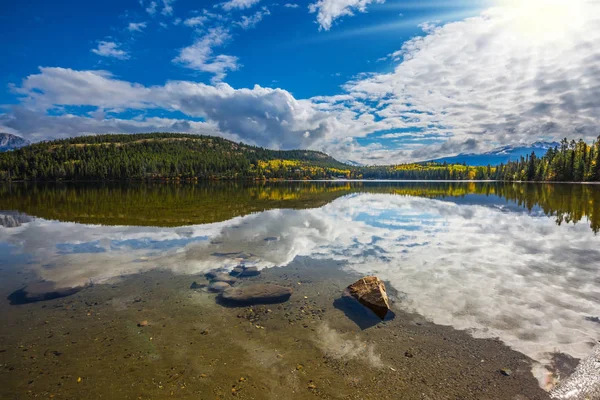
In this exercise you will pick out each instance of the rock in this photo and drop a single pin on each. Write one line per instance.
(370, 292)
(223, 277)
(249, 271)
(42, 291)
(211, 274)
(506, 372)
(218, 287)
(143, 323)
(262, 293)
(237, 270)
(196, 285)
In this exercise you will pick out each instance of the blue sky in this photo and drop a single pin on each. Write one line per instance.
(373, 81)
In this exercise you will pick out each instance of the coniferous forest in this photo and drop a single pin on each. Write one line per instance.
(167, 156)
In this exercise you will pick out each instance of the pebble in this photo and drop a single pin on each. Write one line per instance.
(143, 323)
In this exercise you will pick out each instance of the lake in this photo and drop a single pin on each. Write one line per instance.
(495, 289)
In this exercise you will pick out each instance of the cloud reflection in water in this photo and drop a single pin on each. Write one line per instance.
(497, 271)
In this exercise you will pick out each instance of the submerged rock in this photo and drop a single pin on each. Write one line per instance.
(237, 270)
(370, 292)
(42, 291)
(262, 293)
(223, 277)
(212, 274)
(218, 287)
(249, 271)
(196, 285)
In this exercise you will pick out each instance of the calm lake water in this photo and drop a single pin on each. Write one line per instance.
(462, 261)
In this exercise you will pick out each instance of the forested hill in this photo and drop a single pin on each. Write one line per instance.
(161, 156)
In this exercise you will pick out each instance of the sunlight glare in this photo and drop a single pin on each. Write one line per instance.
(545, 20)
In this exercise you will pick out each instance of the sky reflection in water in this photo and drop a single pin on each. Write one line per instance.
(473, 262)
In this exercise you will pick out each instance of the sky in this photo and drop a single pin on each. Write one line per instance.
(369, 81)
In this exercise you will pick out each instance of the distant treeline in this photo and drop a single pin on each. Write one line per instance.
(167, 156)
(570, 162)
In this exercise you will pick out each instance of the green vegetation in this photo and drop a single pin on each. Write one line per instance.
(570, 162)
(176, 157)
(178, 204)
(161, 156)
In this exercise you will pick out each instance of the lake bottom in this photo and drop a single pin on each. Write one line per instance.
(149, 336)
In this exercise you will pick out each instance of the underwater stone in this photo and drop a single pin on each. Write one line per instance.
(218, 287)
(257, 294)
(42, 291)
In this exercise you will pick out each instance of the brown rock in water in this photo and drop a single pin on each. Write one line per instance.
(42, 291)
(256, 294)
(370, 292)
(223, 277)
(218, 287)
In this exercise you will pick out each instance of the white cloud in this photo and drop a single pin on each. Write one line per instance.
(40, 126)
(199, 56)
(248, 22)
(151, 9)
(136, 26)
(291, 5)
(238, 4)
(263, 116)
(110, 49)
(486, 82)
(196, 21)
(330, 10)
(167, 7)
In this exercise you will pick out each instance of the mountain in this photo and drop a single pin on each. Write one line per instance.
(11, 142)
(500, 155)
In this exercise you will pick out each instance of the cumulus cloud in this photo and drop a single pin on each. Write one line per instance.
(263, 116)
(238, 4)
(136, 26)
(110, 49)
(291, 5)
(488, 81)
(199, 55)
(330, 10)
(464, 86)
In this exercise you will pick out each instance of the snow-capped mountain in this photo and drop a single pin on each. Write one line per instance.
(11, 142)
(500, 155)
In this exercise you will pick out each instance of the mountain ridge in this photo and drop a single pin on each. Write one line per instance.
(499, 155)
(8, 142)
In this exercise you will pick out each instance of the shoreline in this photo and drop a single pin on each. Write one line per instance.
(197, 181)
(198, 349)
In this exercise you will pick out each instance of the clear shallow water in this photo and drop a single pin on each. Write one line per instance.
(517, 262)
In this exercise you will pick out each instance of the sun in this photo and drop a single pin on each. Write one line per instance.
(545, 20)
